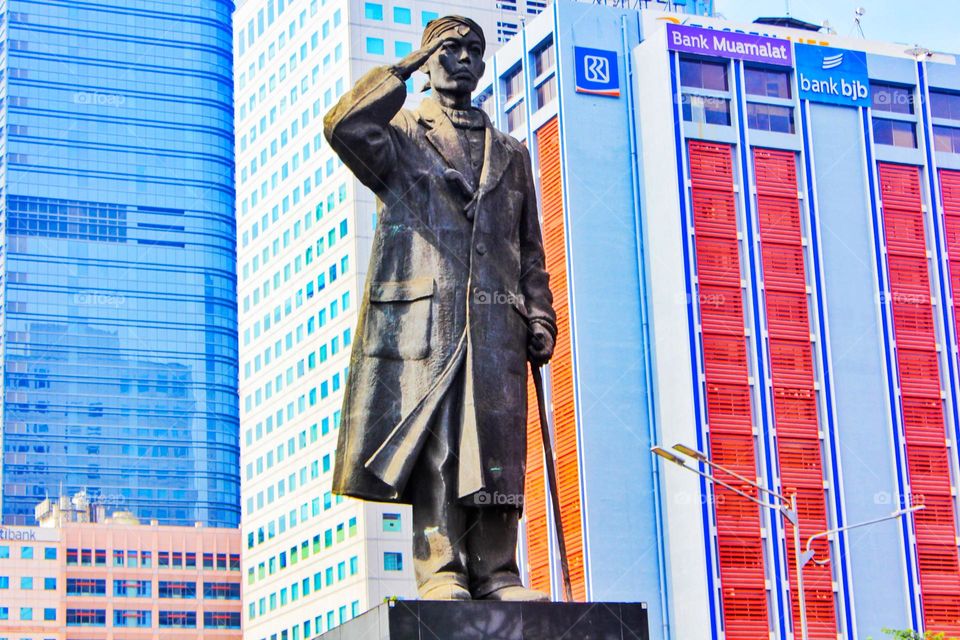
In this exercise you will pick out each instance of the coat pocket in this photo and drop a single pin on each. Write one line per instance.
(398, 319)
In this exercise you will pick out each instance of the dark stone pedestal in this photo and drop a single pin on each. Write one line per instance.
(482, 620)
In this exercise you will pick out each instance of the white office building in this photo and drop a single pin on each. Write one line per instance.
(312, 560)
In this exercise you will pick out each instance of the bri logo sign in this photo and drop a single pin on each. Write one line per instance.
(596, 72)
(834, 76)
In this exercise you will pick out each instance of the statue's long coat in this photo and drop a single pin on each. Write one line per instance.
(443, 294)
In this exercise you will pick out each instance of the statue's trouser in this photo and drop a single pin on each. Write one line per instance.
(456, 545)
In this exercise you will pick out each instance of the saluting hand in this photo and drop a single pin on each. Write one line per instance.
(413, 61)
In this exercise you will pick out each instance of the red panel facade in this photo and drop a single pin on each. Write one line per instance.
(792, 371)
(920, 389)
(562, 394)
(726, 368)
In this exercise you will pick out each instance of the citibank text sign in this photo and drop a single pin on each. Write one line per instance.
(729, 44)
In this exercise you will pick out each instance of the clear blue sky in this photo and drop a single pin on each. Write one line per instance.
(934, 25)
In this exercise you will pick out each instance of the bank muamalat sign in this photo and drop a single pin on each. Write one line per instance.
(729, 44)
(834, 76)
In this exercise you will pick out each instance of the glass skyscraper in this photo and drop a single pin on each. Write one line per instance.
(118, 262)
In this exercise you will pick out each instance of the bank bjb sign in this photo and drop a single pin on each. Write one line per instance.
(596, 72)
(834, 76)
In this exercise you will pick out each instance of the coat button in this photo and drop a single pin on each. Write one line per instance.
(481, 248)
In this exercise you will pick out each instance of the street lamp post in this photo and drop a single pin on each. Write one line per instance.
(786, 506)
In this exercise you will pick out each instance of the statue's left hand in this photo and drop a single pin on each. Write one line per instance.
(540, 344)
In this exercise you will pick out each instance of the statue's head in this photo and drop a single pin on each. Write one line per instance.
(456, 67)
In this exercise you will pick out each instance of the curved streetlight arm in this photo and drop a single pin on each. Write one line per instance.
(677, 460)
(809, 553)
(702, 457)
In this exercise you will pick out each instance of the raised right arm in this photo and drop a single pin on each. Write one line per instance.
(358, 127)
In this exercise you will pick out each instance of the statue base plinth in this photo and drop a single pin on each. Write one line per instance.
(486, 620)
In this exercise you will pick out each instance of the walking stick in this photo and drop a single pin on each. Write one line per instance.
(551, 464)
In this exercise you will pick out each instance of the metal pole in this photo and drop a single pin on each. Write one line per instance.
(551, 464)
(794, 518)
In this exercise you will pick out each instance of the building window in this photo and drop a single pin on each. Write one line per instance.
(50, 584)
(50, 553)
(700, 74)
(706, 109)
(946, 139)
(26, 613)
(4, 551)
(373, 11)
(177, 589)
(513, 99)
(26, 583)
(544, 65)
(178, 619)
(513, 84)
(49, 614)
(391, 522)
(402, 15)
(544, 58)
(375, 46)
(897, 133)
(945, 105)
(392, 561)
(892, 99)
(427, 16)
(132, 588)
(770, 117)
(131, 618)
(767, 83)
(4, 613)
(484, 101)
(401, 48)
(86, 617)
(945, 110)
(86, 587)
(506, 30)
(894, 120)
(516, 116)
(707, 104)
(26, 553)
(221, 619)
(222, 590)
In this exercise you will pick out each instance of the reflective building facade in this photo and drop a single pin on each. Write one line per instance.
(119, 292)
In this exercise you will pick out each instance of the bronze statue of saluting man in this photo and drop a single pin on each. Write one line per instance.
(456, 302)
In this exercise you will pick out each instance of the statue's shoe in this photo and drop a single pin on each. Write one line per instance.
(516, 593)
(445, 591)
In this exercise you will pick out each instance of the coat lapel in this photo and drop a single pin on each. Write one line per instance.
(496, 157)
(443, 136)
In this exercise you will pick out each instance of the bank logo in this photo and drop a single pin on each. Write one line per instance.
(596, 69)
(832, 62)
(834, 76)
(596, 72)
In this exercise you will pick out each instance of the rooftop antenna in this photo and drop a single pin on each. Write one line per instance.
(857, 17)
(787, 3)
